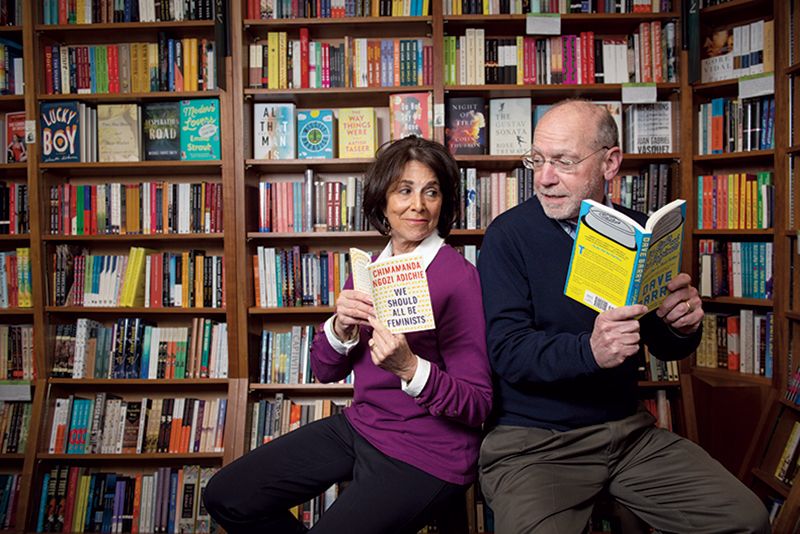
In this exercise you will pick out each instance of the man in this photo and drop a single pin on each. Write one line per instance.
(567, 420)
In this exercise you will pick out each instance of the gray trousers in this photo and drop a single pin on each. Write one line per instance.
(545, 481)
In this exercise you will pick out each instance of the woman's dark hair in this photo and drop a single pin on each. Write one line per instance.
(388, 166)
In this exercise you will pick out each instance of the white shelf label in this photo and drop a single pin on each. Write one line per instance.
(438, 115)
(757, 85)
(543, 24)
(638, 93)
(15, 392)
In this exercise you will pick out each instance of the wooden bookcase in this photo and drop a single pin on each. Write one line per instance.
(720, 410)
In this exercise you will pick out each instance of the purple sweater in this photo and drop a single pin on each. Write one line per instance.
(439, 431)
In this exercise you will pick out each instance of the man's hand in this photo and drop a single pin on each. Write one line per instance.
(682, 310)
(615, 336)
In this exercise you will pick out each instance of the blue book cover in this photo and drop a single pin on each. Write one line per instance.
(274, 131)
(315, 134)
(200, 129)
(61, 131)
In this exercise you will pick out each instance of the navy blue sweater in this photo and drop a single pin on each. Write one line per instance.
(545, 374)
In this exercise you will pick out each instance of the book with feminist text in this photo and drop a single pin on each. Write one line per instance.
(618, 262)
(399, 289)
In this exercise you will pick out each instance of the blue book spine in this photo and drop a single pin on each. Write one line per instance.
(92, 70)
(171, 64)
(42, 503)
(173, 497)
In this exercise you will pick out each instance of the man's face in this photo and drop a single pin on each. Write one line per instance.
(565, 134)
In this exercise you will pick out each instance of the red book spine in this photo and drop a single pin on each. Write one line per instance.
(304, 57)
(48, 69)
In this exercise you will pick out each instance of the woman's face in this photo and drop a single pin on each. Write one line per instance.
(413, 204)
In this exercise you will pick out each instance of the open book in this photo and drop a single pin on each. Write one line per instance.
(617, 262)
(398, 287)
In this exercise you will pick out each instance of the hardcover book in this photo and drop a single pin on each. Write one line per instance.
(399, 289)
(618, 262)
(510, 130)
(16, 150)
(650, 128)
(200, 131)
(273, 131)
(411, 114)
(315, 134)
(717, 56)
(465, 132)
(358, 133)
(118, 132)
(161, 131)
(61, 136)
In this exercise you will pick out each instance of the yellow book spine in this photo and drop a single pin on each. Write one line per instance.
(282, 68)
(520, 60)
(198, 282)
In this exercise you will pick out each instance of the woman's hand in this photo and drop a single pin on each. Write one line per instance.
(353, 308)
(391, 351)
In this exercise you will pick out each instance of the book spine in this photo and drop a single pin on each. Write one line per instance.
(641, 260)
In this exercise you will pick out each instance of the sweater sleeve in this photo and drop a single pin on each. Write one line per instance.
(665, 343)
(460, 389)
(327, 363)
(518, 351)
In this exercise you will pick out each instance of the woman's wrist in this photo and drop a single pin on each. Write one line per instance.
(343, 335)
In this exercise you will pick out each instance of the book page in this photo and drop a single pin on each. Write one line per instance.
(359, 262)
(400, 294)
(604, 257)
(663, 260)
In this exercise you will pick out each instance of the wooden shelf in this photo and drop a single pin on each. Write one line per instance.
(659, 384)
(793, 315)
(304, 389)
(296, 310)
(313, 235)
(318, 165)
(551, 92)
(113, 383)
(12, 458)
(134, 237)
(769, 479)
(163, 456)
(716, 376)
(137, 168)
(73, 310)
(114, 27)
(711, 232)
(14, 237)
(731, 7)
(739, 301)
(792, 406)
(273, 24)
(793, 150)
(334, 96)
(792, 70)
(130, 97)
(10, 29)
(736, 157)
(16, 311)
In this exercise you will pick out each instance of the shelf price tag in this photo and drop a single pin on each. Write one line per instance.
(543, 24)
(757, 85)
(13, 390)
(438, 115)
(638, 93)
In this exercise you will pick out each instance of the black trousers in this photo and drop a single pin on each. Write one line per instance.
(254, 493)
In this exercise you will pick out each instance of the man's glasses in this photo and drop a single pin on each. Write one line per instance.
(536, 161)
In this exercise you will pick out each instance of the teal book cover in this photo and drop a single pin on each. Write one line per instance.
(315, 134)
(200, 131)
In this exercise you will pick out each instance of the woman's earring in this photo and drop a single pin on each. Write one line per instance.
(386, 223)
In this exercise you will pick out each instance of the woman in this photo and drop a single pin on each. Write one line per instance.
(409, 442)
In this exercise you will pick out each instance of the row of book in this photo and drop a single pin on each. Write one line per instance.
(272, 418)
(187, 130)
(736, 269)
(282, 63)
(12, 74)
(656, 370)
(108, 424)
(727, 125)
(14, 208)
(11, 12)
(292, 278)
(285, 9)
(645, 192)
(285, 356)
(107, 11)
(166, 499)
(16, 279)
(14, 428)
(188, 279)
(789, 461)
(186, 64)
(736, 200)
(16, 352)
(648, 55)
(134, 348)
(524, 7)
(736, 51)
(146, 208)
(9, 499)
(742, 343)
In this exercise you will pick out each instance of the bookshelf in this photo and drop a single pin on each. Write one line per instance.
(719, 409)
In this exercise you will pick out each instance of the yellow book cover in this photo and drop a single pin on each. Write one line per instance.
(399, 289)
(118, 132)
(358, 133)
(618, 262)
(272, 60)
(128, 282)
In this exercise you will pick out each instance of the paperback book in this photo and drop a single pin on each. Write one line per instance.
(315, 134)
(273, 131)
(200, 129)
(118, 132)
(510, 129)
(411, 114)
(358, 133)
(61, 137)
(162, 124)
(618, 262)
(16, 149)
(465, 132)
(399, 289)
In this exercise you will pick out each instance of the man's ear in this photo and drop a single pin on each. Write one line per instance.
(612, 163)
